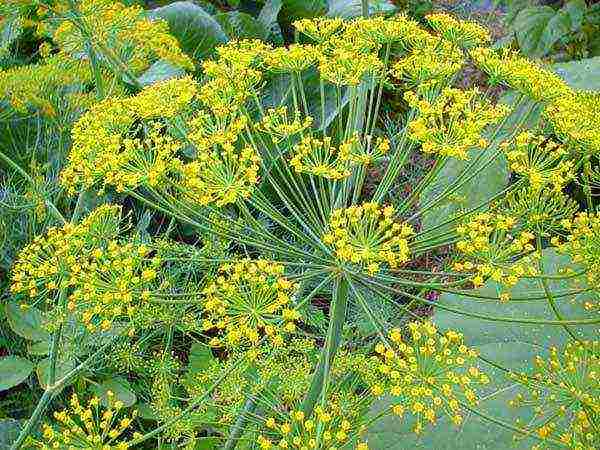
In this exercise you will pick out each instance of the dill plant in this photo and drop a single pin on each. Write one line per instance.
(291, 251)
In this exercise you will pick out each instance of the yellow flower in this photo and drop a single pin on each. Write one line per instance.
(465, 34)
(428, 374)
(368, 235)
(249, 299)
(85, 427)
(453, 122)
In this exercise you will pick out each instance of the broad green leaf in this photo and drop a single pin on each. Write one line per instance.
(353, 8)
(159, 71)
(9, 431)
(144, 411)
(196, 30)
(514, 7)
(200, 358)
(121, 389)
(581, 75)
(575, 10)
(510, 345)
(269, 12)
(13, 371)
(27, 323)
(534, 31)
(479, 331)
(299, 9)
(63, 367)
(558, 26)
(239, 25)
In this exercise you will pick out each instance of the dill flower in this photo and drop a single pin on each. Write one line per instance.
(103, 153)
(428, 375)
(87, 427)
(125, 29)
(249, 299)
(344, 67)
(336, 425)
(564, 395)
(277, 124)
(41, 85)
(293, 59)
(221, 176)
(527, 77)
(293, 363)
(432, 64)
(575, 120)
(233, 77)
(541, 161)
(368, 235)
(540, 210)
(321, 158)
(582, 244)
(464, 33)
(367, 152)
(104, 279)
(397, 29)
(453, 122)
(319, 28)
(491, 245)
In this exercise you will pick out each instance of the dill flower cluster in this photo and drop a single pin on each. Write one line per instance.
(105, 151)
(582, 244)
(294, 363)
(564, 395)
(247, 300)
(344, 67)
(221, 173)
(333, 426)
(430, 64)
(368, 235)
(279, 126)
(491, 243)
(464, 33)
(397, 30)
(87, 427)
(320, 28)
(539, 211)
(104, 278)
(42, 85)
(574, 118)
(126, 30)
(321, 158)
(293, 59)
(452, 123)
(541, 161)
(233, 77)
(427, 374)
(517, 72)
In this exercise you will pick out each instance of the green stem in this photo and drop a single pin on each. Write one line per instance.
(240, 423)
(320, 380)
(587, 171)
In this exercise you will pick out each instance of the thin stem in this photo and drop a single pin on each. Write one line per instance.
(320, 380)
